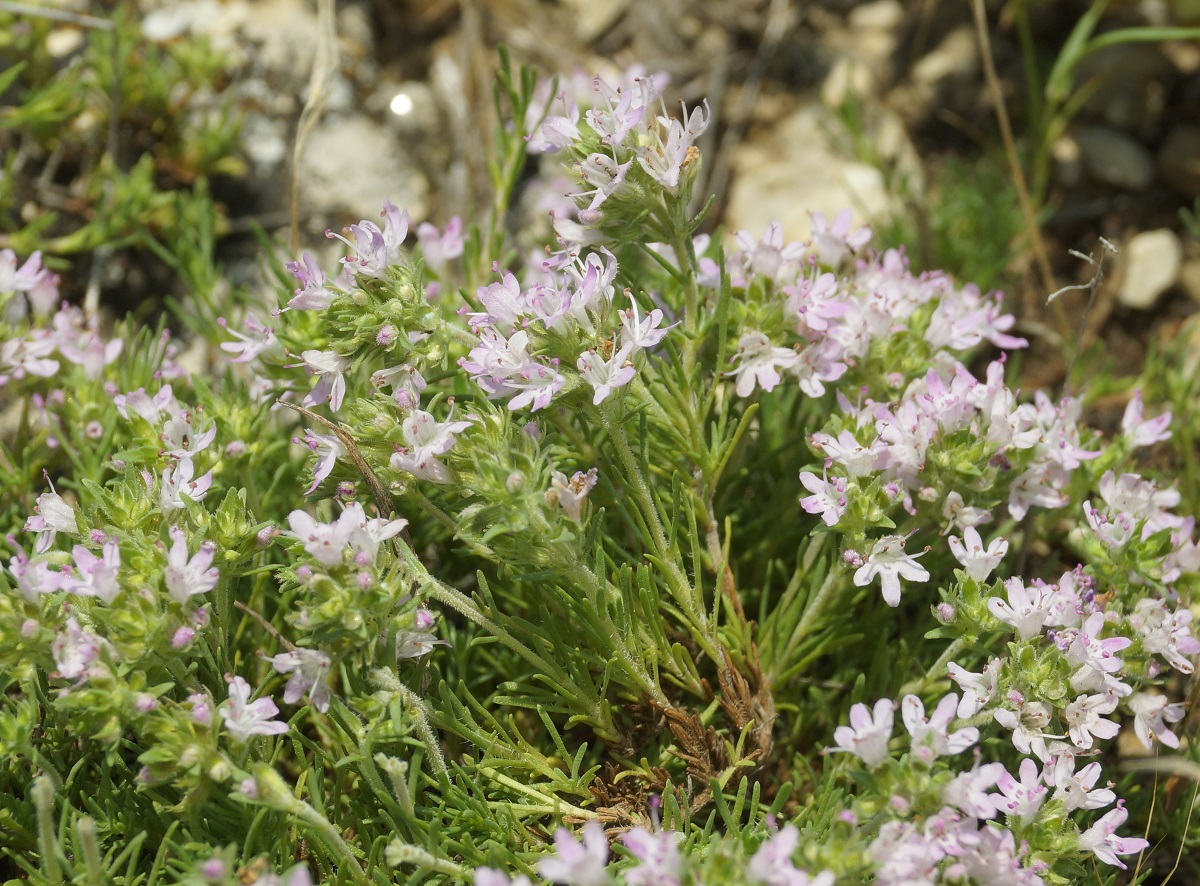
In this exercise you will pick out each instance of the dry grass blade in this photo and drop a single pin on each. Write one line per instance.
(1032, 227)
(325, 65)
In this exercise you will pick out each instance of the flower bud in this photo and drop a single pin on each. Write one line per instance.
(182, 637)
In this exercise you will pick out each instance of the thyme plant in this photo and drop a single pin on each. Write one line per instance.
(608, 561)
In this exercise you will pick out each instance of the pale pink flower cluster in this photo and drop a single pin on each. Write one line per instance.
(570, 296)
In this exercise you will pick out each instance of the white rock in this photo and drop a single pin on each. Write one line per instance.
(956, 56)
(1152, 261)
(882, 15)
(61, 42)
(264, 139)
(351, 165)
(1114, 158)
(795, 170)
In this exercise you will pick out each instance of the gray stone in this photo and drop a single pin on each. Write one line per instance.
(1152, 261)
(1134, 80)
(1114, 158)
(1179, 160)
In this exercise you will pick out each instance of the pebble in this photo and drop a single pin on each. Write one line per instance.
(1114, 158)
(1189, 279)
(1152, 261)
(1179, 159)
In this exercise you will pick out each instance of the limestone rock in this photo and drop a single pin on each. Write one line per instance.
(351, 165)
(795, 170)
(1152, 261)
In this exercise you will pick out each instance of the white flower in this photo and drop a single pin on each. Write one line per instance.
(978, 689)
(1027, 724)
(186, 578)
(1075, 788)
(888, 560)
(177, 482)
(310, 672)
(606, 375)
(1026, 609)
(640, 331)
(53, 516)
(1151, 714)
(828, 498)
(179, 434)
(571, 493)
(324, 542)
(427, 438)
(969, 551)
(759, 362)
(1084, 719)
(329, 367)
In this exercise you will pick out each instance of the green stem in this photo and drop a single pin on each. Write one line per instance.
(937, 670)
(43, 800)
(681, 589)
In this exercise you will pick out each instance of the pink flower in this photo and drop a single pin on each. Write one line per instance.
(97, 575)
(324, 542)
(260, 340)
(1140, 431)
(660, 863)
(828, 498)
(74, 650)
(244, 718)
(772, 863)
(930, 738)
(1101, 838)
(575, 863)
(1020, 799)
(328, 449)
(185, 578)
(867, 735)
(313, 294)
(438, 248)
(493, 877)
(834, 242)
